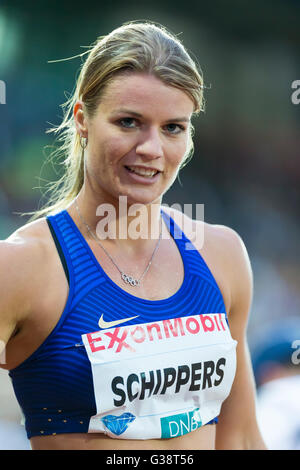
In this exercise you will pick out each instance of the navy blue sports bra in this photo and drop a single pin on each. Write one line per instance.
(161, 373)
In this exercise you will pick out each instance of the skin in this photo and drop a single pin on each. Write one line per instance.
(154, 133)
(29, 258)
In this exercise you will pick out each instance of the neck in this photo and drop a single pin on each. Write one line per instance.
(130, 227)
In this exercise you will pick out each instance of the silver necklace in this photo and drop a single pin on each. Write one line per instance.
(127, 279)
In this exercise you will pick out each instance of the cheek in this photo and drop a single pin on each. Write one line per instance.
(178, 152)
(113, 149)
(105, 153)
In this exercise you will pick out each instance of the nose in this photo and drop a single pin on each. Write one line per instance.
(150, 144)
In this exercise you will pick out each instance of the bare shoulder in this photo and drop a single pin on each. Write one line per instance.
(22, 254)
(226, 254)
(237, 268)
(222, 237)
(231, 242)
(27, 244)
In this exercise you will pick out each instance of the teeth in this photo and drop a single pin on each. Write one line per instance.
(142, 172)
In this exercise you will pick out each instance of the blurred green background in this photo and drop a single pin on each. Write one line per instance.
(246, 166)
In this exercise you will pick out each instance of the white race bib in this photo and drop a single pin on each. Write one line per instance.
(161, 379)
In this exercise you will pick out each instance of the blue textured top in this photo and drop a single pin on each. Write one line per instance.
(54, 386)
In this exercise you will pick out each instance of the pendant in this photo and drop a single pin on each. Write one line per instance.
(130, 280)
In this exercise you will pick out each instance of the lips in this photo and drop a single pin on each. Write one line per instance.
(147, 172)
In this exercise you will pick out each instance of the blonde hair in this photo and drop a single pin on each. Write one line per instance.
(142, 47)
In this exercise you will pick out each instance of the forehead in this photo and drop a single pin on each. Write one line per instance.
(145, 93)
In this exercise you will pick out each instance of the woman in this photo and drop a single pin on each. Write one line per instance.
(106, 349)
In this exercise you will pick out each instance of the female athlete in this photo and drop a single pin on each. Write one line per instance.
(124, 329)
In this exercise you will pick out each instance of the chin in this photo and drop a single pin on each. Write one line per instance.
(139, 196)
(144, 200)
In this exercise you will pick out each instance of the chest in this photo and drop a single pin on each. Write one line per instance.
(163, 280)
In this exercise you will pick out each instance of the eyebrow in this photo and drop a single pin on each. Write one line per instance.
(134, 113)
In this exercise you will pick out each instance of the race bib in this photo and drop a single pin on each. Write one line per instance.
(161, 379)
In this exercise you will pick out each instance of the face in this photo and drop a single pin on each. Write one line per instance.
(137, 138)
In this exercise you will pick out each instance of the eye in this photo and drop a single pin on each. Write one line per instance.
(128, 122)
(173, 128)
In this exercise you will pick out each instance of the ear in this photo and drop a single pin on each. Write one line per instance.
(80, 119)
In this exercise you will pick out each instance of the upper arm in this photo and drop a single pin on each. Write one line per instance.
(15, 268)
(237, 426)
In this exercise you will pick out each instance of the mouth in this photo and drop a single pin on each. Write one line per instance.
(143, 171)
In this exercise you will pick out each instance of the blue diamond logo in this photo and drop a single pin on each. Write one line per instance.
(118, 424)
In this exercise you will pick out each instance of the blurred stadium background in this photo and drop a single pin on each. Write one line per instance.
(246, 166)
